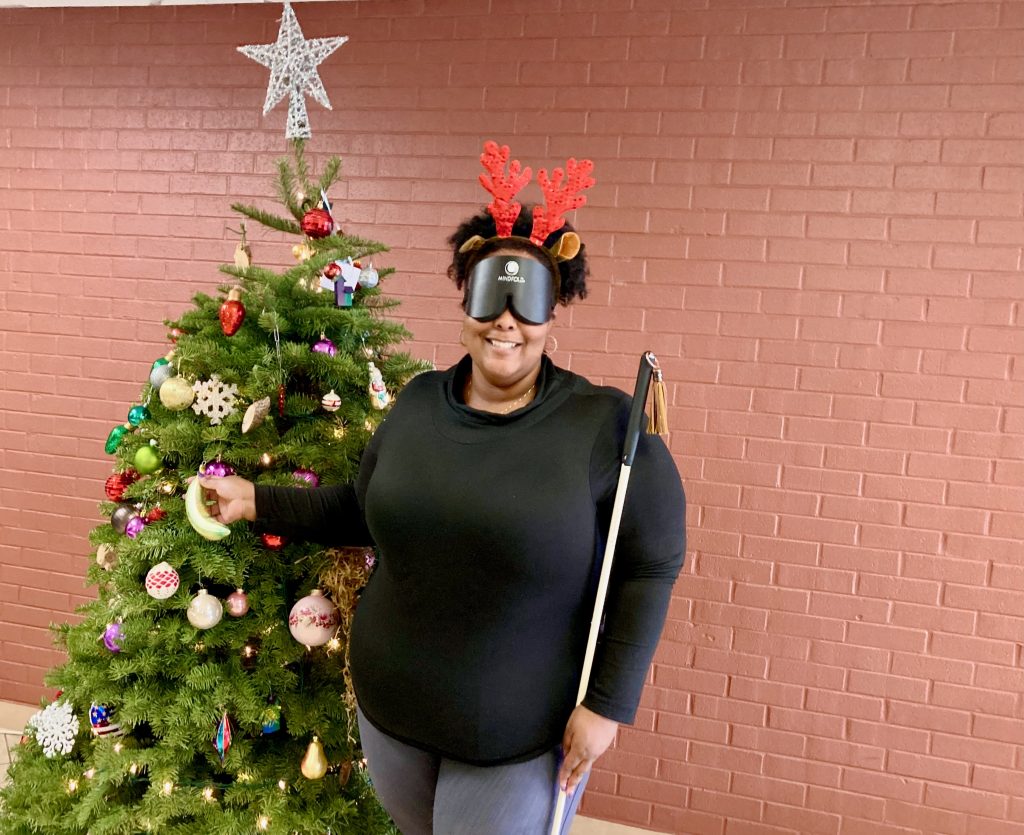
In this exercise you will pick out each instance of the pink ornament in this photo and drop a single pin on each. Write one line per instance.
(313, 620)
(237, 603)
(311, 478)
(112, 636)
(134, 527)
(325, 346)
(217, 469)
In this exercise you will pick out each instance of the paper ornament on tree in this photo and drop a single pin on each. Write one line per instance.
(55, 728)
(293, 61)
(214, 398)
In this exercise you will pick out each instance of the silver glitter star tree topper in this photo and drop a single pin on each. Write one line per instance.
(293, 61)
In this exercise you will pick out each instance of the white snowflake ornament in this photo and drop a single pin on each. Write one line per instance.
(55, 728)
(214, 398)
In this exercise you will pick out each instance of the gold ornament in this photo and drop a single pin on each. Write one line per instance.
(303, 252)
(314, 764)
(177, 394)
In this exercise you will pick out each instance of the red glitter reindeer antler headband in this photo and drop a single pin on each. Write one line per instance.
(558, 199)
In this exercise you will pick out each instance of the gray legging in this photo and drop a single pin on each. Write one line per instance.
(430, 795)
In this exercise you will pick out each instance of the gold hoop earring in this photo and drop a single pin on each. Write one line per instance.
(554, 347)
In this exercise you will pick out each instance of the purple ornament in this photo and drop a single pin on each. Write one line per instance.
(216, 469)
(134, 526)
(112, 636)
(325, 346)
(308, 476)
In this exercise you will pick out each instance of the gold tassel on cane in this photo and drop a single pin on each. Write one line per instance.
(657, 423)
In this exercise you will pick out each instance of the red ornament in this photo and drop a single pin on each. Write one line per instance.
(317, 223)
(116, 484)
(232, 312)
(273, 541)
(280, 400)
(175, 335)
(155, 515)
(332, 270)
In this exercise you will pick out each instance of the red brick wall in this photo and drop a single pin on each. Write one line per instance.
(813, 213)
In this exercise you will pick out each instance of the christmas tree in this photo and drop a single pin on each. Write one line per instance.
(205, 687)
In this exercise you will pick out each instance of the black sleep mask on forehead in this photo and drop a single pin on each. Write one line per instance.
(519, 282)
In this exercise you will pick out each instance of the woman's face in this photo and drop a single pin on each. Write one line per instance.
(505, 350)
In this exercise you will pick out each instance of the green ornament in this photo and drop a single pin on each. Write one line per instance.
(147, 460)
(137, 414)
(114, 438)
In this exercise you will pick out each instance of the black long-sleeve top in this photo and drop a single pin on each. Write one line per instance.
(468, 640)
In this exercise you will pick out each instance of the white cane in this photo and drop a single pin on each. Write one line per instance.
(648, 367)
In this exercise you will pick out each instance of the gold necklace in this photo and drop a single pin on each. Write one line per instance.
(511, 406)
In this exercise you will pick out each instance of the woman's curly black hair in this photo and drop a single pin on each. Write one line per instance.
(573, 273)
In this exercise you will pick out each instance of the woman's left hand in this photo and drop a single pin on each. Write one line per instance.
(587, 736)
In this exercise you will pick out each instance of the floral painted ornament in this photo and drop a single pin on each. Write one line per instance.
(313, 620)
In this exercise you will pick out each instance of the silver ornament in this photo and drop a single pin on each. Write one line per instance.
(205, 610)
(121, 516)
(161, 374)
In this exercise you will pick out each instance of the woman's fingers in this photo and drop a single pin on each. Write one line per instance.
(577, 774)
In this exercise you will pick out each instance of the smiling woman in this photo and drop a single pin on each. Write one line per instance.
(505, 347)
(488, 492)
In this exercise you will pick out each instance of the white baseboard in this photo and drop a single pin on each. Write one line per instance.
(592, 826)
